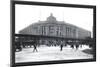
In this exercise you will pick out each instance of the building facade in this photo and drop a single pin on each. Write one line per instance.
(52, 27)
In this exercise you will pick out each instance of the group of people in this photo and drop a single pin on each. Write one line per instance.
(20, 45)
(61, 44)
(73, 46)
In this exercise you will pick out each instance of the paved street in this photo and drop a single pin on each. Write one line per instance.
(51, 53)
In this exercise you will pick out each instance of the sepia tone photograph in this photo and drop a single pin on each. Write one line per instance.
(52, 33)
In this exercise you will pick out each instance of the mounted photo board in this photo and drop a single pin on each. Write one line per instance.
(52, 33)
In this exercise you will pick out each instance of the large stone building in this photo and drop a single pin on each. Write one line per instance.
(52, 27)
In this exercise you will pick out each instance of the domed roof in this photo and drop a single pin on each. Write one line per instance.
(51, 18)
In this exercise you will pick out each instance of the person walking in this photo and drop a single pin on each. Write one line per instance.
(35, 46)
(77, 46)
(61, 46)
(72, 46)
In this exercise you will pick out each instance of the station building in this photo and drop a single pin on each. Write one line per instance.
(52, 27)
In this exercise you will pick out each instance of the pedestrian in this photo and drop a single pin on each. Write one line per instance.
(61, 46)
(77, 46)
(72, 46)
(18, 46)
(35, 46)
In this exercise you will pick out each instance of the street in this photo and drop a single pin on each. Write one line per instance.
(46, 53)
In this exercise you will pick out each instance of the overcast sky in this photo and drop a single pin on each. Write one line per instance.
(28, 14)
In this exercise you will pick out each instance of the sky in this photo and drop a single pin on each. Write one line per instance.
(28, 14)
